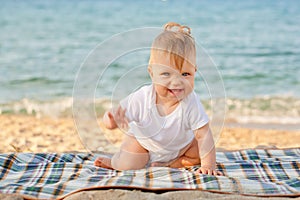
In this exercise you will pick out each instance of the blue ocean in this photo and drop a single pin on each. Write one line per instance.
(254, 45)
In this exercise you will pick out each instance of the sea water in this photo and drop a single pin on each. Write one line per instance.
(254, 45)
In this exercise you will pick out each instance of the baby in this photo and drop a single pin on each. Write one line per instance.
(165, 122)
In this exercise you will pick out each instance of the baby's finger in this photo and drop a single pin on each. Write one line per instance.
(125, 118)
(122, 111)
(110, 115)
(202, 171)
(123, 114)
(126, 122)
(210, 172)
(118, 112)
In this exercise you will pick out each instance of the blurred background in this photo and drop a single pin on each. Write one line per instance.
(254, 44)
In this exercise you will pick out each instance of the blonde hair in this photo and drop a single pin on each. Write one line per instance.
(175, 42)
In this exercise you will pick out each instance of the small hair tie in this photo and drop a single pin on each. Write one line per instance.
(185, 29)
(172, 26)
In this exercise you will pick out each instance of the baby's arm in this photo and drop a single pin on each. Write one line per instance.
(207, 151)
(118, 119)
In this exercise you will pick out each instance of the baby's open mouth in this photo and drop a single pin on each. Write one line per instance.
(176, 91)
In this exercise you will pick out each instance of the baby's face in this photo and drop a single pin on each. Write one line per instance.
(170, 82)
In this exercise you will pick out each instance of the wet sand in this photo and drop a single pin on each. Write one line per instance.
(24, 133)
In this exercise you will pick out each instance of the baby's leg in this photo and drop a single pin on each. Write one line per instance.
(131, 156)
(189, 156)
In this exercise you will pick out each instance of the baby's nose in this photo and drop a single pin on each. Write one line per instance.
(177, 80)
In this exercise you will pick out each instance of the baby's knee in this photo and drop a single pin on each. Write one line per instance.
(132, 163)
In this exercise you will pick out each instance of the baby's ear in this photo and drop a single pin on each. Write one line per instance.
(150, 71)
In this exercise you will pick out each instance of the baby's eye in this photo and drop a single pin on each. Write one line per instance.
(165, 74)
(185, 74)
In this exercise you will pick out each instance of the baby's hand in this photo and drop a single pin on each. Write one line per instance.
(108, 120)
(209, 171)
(120, 118)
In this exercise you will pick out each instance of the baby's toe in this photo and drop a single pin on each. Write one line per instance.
(103, 162)
(98, 162)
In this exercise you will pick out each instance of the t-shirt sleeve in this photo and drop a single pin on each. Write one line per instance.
(197, 116)
(136, 103)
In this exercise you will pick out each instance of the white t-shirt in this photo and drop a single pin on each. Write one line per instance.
(163, 136)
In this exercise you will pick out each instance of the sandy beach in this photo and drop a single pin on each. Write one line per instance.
(24, 133)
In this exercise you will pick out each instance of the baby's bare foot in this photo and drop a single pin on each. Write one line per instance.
(103, 162)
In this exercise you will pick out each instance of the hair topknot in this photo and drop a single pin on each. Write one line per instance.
(175, 41)
(173, 26)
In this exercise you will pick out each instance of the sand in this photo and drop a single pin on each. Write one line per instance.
(24, 133)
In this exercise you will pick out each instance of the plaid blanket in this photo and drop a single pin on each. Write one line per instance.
(258, 172)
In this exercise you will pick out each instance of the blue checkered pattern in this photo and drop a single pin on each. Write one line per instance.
(255, 172)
